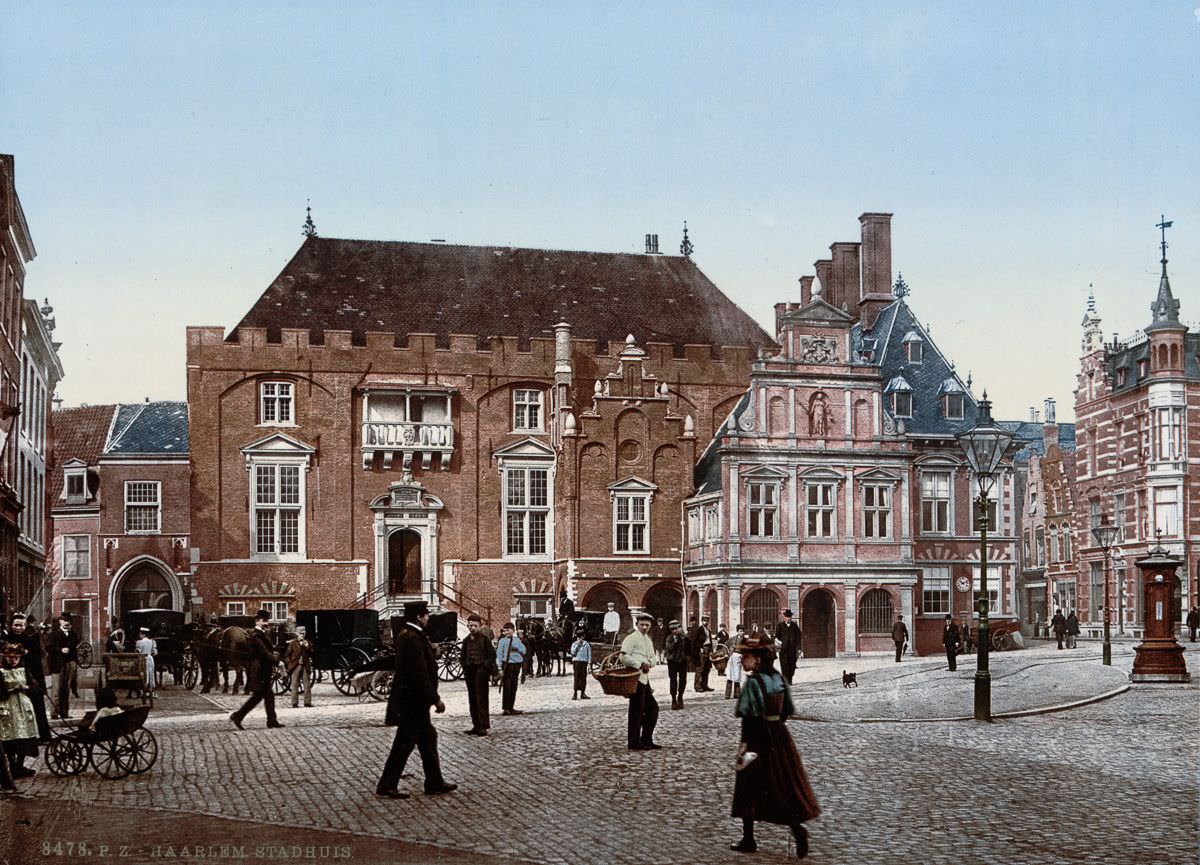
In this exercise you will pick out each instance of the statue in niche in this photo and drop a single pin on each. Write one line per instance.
(818, 417)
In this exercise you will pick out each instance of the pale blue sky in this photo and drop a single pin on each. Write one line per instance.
(164, 155)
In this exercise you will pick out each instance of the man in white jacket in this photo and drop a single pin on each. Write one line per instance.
(637, 651)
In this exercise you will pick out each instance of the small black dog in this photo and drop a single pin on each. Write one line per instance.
(849, 679)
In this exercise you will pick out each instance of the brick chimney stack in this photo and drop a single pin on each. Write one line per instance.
(806, 290)
(846, 276)
(1050, 427)
(824, 269)
(876, 266)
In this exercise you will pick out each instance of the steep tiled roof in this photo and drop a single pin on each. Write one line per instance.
(402, 288)
(150, 428)
(80, 433)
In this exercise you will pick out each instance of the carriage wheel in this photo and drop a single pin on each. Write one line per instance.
(1001, 641)
(66, 757)
(380, 686)
(144, 749)
(113, 758)
(281, 682)
(348, 660)
(450, 664)
(191, 669)
(83, 655)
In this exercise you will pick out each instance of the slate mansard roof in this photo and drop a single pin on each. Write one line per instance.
(399, 287)
(152, 428)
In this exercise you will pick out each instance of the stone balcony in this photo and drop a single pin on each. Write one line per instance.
(407, 438)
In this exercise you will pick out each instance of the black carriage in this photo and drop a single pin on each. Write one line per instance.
(118, 745)
(173, 640)
(343, 642)
(442, 631)
(128, 670)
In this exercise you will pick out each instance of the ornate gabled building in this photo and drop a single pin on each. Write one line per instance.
(1137, 407)
(836, 486)
(477, 426)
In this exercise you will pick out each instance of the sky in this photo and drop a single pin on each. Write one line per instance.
(165, 154)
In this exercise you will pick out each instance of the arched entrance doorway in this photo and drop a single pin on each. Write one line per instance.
(817, 624)
(664, 601)
(761, 607)
(144, 587)
(599, 597)
(404, 562)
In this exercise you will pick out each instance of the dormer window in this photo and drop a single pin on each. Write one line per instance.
(75, 483)
(1141, 366)
(902, 403)
(952, 406)
(1122, 376)
(914, 347)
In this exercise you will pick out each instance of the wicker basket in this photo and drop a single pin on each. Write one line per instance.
(616, 679)
(719, 658)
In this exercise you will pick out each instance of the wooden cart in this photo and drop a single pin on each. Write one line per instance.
(128, 670)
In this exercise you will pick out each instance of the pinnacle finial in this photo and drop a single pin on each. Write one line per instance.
(900, 289)
(686, 248)
(310, 227)
(1091, 307)
(1163, 225)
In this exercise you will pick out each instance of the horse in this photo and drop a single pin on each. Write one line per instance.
(206, 646)
(233, 652)
(553, 646)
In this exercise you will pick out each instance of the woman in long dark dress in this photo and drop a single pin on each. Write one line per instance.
(771, 785)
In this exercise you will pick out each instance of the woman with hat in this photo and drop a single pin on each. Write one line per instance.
(770, 784)
(18, 723)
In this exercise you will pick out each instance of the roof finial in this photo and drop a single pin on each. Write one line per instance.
(1162, 226)
(686, 248)
(900, 289)
(1091, 307)
(310, 227)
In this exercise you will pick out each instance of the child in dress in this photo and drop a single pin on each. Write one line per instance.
(18, 723)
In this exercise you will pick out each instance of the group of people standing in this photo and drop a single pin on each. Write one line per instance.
(1065, 627)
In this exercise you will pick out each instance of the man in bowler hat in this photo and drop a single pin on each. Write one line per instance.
(258, 676)
(787, 635)
(951, 639)
(414, 690)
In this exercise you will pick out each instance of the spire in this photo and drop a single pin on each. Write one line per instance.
(1165, 309)
(310, 227)
(686, 248)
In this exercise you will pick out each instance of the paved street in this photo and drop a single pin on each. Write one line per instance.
(1111, 781)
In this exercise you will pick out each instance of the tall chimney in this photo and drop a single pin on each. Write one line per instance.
(1050, 428)
(1050, 410)
(845, 276)
(824, 269)
(806, 290)
(876, 266)
(652, 244)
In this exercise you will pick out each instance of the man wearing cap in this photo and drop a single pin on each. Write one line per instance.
(35, 676)
(951, 639)
(414, 690)
(581, 662)
(479, 663)
(637, 651)
(787, 637)
(676, 651)
(612, 623)
(259, 672)
(510, 658)
(149, 648)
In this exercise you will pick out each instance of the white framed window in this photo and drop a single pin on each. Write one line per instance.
(1119, 517)
(277, 403)
(994, 579)
(712, 522)
(235, 608)
(76, 556)
(277, 512)
(819, 508)
(935, 590)
(902, 403)
(526, 510)
(143, 507)
(1096, 594)
(695, 526)
(935, 502)
(527, 410)
(877, 511)
(631, 523)
(1166, 511)
(952, 406)
(76, 480)
(278, 610)
(763, 507)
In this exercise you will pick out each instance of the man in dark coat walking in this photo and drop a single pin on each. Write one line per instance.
(1193, 623)
(700, 644)
(1059, 623)
(414, 690)
(787, 635)
(951, 640)
(259, 673)
(479, 665)
(899, 636)
(677, 651)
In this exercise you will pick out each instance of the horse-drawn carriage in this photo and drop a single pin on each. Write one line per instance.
(343, 642)
(173, 640)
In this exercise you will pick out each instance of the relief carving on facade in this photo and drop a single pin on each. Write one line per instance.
(818, 350)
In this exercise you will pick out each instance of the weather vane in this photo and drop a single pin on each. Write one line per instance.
(310, 227)
(686, 248)
(1162, 226)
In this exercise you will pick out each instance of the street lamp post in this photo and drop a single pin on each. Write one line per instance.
(984, 445)
(1105, 534)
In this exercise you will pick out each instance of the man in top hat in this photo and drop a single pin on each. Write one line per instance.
(478, 663)
(35, 675)
(787, 637)
(258, 678)
(899, 636)
(637, 651)
(676, 651)
(414, 691)
(951, 639)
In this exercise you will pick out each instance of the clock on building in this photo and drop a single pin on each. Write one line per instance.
(964, 584)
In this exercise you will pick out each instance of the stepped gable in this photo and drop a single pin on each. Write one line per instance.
(80, 433)
(159, 428)
(366, 286)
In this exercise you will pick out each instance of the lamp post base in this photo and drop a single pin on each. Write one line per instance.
(983, 695)
(1107, 654)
